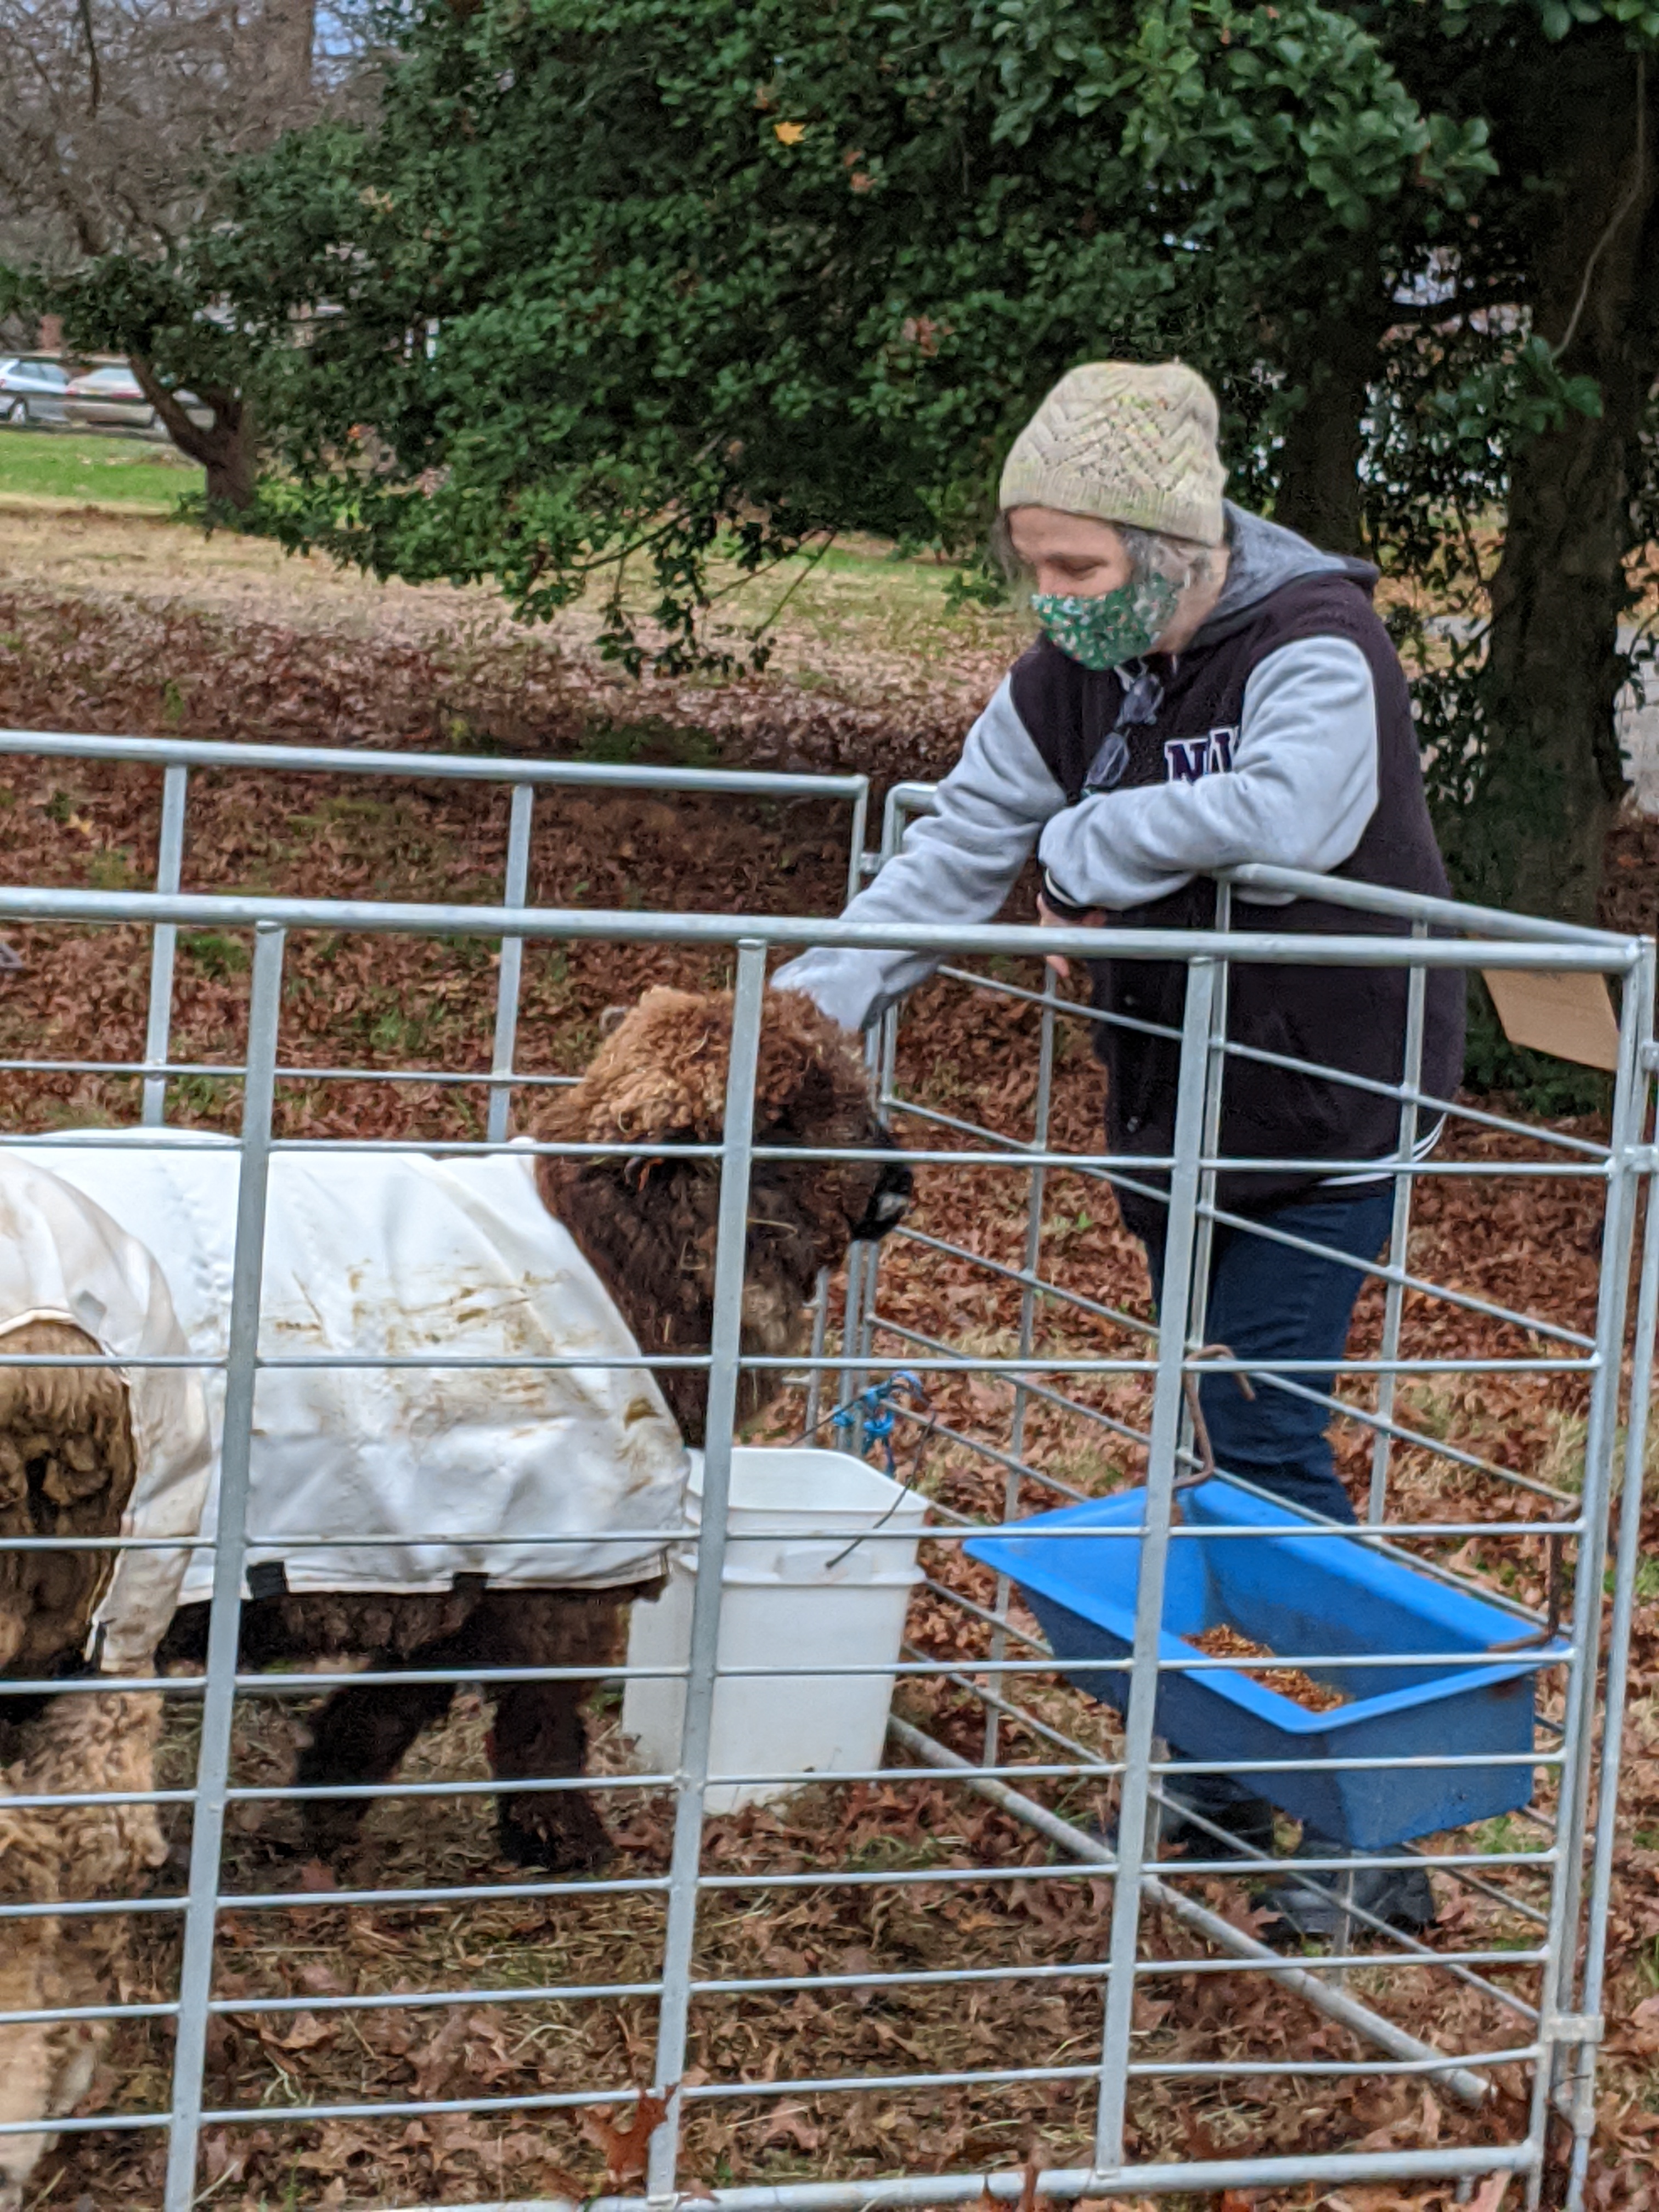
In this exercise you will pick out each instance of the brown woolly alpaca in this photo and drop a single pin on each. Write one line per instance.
(96, 1740)
(646, 1225)
(77, 1446)
(67, 1466)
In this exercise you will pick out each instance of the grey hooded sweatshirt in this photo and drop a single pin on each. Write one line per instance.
(1282, 733)
(1302, 785)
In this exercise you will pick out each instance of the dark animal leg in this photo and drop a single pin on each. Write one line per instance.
(360, 1736)
(185, 1642)
(539, 1735)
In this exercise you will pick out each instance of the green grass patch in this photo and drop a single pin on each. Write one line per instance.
(649, 741)
(113, 871)
(125, 473)
(1506, 1833)
(1647, 1580)
(203, 1094)
(216, 954)
(831, 609)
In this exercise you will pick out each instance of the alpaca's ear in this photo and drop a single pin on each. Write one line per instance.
(660, 1074)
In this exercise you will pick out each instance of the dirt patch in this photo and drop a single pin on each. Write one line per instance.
(137, 624)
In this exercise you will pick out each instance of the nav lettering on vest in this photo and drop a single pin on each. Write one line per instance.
(1187, 759)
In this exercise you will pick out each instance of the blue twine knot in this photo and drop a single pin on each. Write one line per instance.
(874, 1407)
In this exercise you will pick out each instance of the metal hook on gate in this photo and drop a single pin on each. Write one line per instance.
(1201, 1426)
(1556, 1570)
(1557, 1588)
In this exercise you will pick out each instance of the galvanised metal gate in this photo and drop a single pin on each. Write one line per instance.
(1470, 2006)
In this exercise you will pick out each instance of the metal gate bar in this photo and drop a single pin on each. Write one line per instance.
(178, 756)
(1576, 2089)
(1578, 2033)
(1469, 2087)
(224, 1621)
(1562, 2039)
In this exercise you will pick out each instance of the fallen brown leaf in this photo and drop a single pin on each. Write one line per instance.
(304, 2032)
(626, 2148)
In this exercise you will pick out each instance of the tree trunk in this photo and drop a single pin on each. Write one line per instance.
(232, 470)
(227, 449)
(1552, 778)
(1318, 489)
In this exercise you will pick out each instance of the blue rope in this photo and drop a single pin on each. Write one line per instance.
(875, 1408)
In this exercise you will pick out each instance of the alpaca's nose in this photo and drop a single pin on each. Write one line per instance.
(892, 1202)
(889, 1201)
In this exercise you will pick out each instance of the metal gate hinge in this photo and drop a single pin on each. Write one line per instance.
(1574, 2027)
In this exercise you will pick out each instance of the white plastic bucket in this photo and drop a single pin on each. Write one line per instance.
(792, 1587)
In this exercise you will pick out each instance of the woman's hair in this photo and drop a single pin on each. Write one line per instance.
(1181, 561)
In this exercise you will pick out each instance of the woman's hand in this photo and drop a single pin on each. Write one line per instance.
(1050, 920)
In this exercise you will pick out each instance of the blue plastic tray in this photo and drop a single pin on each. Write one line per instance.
(1295, 1593)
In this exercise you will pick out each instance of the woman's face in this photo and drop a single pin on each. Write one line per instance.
(1073, 555)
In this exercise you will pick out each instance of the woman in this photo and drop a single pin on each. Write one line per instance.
(1208, 690)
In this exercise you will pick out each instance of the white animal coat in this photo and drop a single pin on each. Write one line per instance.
(63, 1259)
(402, 1255)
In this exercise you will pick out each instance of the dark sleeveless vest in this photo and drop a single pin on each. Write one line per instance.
(1343, 1018)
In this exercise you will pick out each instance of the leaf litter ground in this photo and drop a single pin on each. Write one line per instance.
(388, 1003)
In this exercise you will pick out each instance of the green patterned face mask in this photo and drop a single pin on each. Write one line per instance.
(1118, 626)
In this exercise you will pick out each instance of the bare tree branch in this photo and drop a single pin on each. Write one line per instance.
(95, 89)
(116, 115)
(117, 119)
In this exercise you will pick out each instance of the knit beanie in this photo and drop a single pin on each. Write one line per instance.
(1126, 443)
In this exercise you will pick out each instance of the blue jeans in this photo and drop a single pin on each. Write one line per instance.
(1268, 1302)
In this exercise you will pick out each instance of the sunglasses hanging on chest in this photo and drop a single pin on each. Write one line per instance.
(1143, 696)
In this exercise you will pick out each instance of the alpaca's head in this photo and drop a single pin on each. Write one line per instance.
(659, 1079)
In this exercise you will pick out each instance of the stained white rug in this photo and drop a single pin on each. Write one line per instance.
(389, 1256)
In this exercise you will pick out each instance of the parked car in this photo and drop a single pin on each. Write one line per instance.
(110, 395)
(32, 391)
(114, 397)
